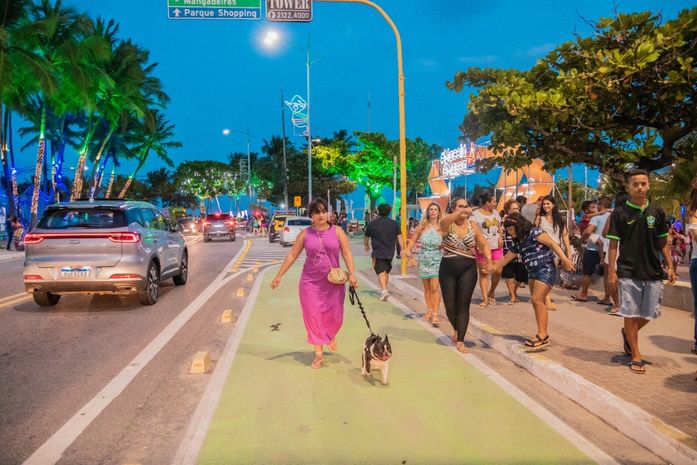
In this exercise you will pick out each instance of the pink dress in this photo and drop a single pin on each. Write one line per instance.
(322, 302)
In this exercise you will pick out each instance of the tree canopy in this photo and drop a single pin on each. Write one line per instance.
(625, 95)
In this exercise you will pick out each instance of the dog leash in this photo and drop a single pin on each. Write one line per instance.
(353, 297)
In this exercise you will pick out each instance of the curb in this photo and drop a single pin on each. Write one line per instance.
(644, 428)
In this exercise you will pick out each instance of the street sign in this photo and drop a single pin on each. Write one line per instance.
(297, 201)
(293, 11)
(214, 9)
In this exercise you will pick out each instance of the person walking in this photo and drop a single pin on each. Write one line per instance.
(458, 268)
(10, 227)
(489, 220)
(382, 235)
(596, 247)
(322, 302)
(692, 231)
(537, 251)
(428, 231)
(514, 272)
(550, 221)
(641, 231)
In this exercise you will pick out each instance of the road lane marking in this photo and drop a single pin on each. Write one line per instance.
(14, 299)
(52, 450)
(557, 424)
(191, 443)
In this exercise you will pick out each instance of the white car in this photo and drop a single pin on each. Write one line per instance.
(292, 227)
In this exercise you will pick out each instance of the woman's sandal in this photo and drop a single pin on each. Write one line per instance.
(537, 341)
(492, 300)
(461, 347)
(435, 321)
(552, 307)
(512, 301)
(317, 362)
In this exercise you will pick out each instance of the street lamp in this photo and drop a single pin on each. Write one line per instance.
(271, 40)
(226, 132)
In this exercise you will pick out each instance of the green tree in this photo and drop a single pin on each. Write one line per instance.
(623, 96)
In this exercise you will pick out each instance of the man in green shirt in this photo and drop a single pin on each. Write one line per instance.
(639, 231)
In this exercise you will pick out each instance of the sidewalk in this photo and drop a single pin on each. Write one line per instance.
(585, 361)
(6, 255)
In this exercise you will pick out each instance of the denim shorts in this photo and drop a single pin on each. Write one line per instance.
(546, 274)
(640, 299)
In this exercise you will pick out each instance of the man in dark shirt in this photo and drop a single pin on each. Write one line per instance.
(383, 234)
(638, 229)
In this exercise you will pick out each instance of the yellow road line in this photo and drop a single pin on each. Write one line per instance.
(12, 297)
(239, 261)
(8, 303)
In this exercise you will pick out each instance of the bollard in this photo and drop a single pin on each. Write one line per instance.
(227, 316)
(240, 292)
(201, 363)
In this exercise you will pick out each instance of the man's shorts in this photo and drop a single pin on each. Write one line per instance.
(591, 259)
(515, 270)
(496, 255)
(382, 265)
(640, 299)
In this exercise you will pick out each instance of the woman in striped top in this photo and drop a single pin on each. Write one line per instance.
(458, 268)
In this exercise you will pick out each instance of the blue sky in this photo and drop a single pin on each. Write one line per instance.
(219, 77)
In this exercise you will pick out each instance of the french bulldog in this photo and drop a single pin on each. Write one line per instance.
(376, 354)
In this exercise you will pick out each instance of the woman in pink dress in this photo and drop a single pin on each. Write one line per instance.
(322, 302)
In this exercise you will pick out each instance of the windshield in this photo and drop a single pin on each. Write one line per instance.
(88, 218)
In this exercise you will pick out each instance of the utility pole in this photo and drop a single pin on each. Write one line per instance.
(285, 167)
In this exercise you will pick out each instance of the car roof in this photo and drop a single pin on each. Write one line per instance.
(297, 218)
(102, 203)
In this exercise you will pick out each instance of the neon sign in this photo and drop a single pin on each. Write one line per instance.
(459, 161)
(298, 107)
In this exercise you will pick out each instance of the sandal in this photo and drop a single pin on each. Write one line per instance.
(461, 347)
(552, 307)
(637, 367)
(627, 347)
(602, 302)
(512, 301)
(332, 345)
(578, 299)
(537, 341)
(492, 300)
(484, 304)
(435, 321)
(317, 362)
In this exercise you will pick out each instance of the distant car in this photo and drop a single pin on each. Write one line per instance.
(187, 226)
(102, 247)
(292, 227)
(219, 225)
(276, 225)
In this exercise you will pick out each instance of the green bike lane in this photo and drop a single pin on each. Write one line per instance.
(439, 407)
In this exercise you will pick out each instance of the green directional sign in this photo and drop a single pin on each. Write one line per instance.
(214, 9)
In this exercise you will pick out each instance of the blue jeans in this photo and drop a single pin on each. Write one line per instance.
(693, 281)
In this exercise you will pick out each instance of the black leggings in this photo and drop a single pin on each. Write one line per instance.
(458, 278)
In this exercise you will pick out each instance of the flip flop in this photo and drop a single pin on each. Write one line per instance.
(577, 299)
(600, 302)
(637, 367)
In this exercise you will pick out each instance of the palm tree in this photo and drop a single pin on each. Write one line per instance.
(152, 133)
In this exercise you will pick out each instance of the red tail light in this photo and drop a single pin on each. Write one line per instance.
(33, 238)
(32, 277)
(286, 229)
(125, 276)
(127, 237)
(231, 223)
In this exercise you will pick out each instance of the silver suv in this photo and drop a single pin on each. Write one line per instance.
(102, 247)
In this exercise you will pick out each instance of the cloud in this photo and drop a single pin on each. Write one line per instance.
(482, 59)
(539, 50)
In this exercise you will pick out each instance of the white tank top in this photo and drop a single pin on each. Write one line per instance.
(691, 231)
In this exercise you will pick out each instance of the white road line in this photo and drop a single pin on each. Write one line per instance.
(195, 435)
(51, 451)
(583, 444)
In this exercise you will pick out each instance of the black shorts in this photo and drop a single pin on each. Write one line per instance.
(382, 265)
(515, 270)
(591, 259)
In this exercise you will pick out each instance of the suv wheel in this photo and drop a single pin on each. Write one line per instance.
(206, 238)
(232, 237)
(180, 279)
(46, 299)
(149, 295)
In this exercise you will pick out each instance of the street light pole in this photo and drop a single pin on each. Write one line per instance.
(285, 167)
(227, 131)
(309, 130)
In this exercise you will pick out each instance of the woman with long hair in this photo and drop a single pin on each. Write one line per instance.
(514, 272)
(428, 231)
(536, 250)
(322, 301)
(692, 230)
(550, 221)
(458, 268)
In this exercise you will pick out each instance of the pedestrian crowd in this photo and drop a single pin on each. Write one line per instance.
(526, 244)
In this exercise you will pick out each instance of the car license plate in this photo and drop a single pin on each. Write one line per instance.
(75, 272)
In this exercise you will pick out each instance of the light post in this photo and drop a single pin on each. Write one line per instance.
(285, 167)
(226, 132)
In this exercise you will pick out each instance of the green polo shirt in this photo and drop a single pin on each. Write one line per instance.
(640, 232)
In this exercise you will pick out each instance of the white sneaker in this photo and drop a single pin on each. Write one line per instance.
(384, 294)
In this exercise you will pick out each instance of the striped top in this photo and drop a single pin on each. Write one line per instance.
(455, 245)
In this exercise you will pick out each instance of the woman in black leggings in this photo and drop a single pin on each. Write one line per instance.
(458, 268)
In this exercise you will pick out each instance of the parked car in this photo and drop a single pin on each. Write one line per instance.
(219, 225)
(292, 227)
(187, 226)
(102, 247)
(276, 225)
